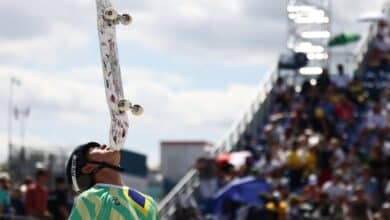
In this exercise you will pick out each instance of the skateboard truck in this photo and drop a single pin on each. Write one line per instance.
(112, 15)
(125, 105)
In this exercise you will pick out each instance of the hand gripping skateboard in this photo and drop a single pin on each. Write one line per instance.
(108, 18)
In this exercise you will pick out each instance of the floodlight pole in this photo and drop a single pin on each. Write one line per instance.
(13, 82)
(24, 113)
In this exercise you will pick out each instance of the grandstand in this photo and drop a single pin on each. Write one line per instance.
(347, 122)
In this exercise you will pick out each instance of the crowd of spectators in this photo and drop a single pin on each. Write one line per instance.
(32, 199)
(325, 150)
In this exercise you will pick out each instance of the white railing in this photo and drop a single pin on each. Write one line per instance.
(187, 185)
(363, 46)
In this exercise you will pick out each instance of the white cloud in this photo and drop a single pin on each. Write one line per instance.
(216, 31)
(62, 39)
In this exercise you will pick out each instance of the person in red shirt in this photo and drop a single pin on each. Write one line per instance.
(37, 196)
(344, 109)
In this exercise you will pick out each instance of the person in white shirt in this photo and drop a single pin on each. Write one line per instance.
(341, 80)
(376, 118)
(339, 156)
(335, 188)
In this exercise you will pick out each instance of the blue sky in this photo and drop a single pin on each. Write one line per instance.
(192, 64)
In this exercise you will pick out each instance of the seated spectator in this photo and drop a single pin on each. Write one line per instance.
(385, 211)
(282, 188)
(376, 118)
(293, 212)
(280, 88)
(306, 88)
(323, 81)
(376, 160)
(282, 94)
(249, 212)
(381, 44)
(267, 165)
(37, 196)
(344, 110)
(382, 40)
(338, 154)
(57, 201)
(225, 173)
(324, 155)
(341, 80)
(323, 209)
(360, 205)
(274, 207)
(353, 156)
(370, 186)
(294, 166)
(356, 92)
(4, 196)
(208, 182)
(384, 29)
(324, 116)
(17, 202)
(335, 188)
(311, 192)
(311, 158)
(189, 213)
(26, 183)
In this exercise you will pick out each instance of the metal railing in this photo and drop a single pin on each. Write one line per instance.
(188, 184)
(363, 46)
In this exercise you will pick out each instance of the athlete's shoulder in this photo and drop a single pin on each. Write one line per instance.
(88, 204)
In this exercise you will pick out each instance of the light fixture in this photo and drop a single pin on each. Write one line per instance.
(307, 47)
(311, 70)
(299, 8)
(309, 20)
(317, 56)
(315, 34)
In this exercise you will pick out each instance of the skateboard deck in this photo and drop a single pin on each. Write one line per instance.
(107, 19)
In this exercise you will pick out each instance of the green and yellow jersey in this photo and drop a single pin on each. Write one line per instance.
(105, 201)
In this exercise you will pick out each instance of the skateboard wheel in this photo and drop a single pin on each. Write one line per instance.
(137, 110)
(124, 105)
(110, 14)
(125, 19)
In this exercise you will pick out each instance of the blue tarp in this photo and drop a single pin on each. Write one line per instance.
(245, 190)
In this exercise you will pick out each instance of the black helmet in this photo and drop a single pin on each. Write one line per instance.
(77, 160)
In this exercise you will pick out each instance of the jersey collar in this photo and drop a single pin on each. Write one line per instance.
(111, 186)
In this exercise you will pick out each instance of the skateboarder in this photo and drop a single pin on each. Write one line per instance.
(94, 172)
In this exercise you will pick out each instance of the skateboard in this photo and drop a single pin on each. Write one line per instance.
(107, 19)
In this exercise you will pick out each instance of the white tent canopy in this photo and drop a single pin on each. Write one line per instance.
(374, 17)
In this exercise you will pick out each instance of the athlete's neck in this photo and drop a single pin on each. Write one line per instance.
(107, 176)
